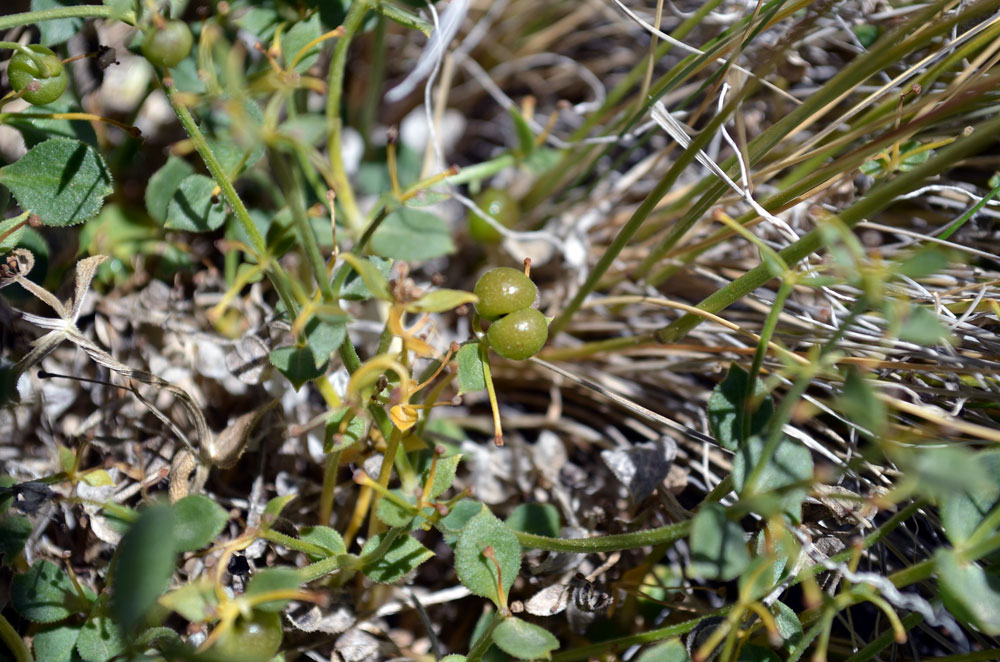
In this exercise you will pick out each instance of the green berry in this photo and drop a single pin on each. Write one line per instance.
(519, 335)
(500, 205)
(41, 78)
(167, 45)
(503, 290)
(250, 639)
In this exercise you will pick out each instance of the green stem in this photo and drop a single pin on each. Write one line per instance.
(352, 22)
(274, 272)
(877, 200)
(330, 469)
(218, 172)
(330, 564)
(293, 543)
(14, 642)
(289, 181)
(485, 639)
(770, 324)
(82, 11)
(669, 533)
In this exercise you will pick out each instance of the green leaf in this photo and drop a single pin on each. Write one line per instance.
(438, 301)
(325, 537)
(274, 507)
(940, 473)
(525, 137)
(454, 657)
(789, 626)
(324, 338)
(412, 235)
(791, 463)
(860, 403)
(718, 547)
(273, 579)
(524, 640)
(11, 240)
(195, 601)
(444, 476)
(193, 208)
(352, 435)
(197, 520)
(866, 33)
(969, 592)
(145, 565)
(101, 638)
(162, 186)
(297, 364)
(56, 644)
(14, 533)
(306, 129)
(393, 513)
(457, 518)
(370, 278)
(475, 571)
(296, 39)
(669, 651)
(541, 519)
(45, 594)
(922, 326)
(59, 30)
(964, 509)
(923, 263)
(726, 404)
(63, 181)
(471, 377)
(404, 555)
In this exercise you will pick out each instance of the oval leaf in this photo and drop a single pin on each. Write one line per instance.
(45, 594)
(197, 520)
(524, 640)
(404, 555)
(145, 565)
(669, 651)
(273, 579)
(969, 592)
(718, 549)
(438, 301)
(412, 234)
(101, 638)
(64, 181)
(471, 377)
(477, 572)
(193, 206)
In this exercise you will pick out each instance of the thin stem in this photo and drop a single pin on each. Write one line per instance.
(330, 469)
(218, 172)
(289, 181)
(345, 194)
(14, 642)
(664, 534)
(293, 543)
(878, 199)
(82, 11)
(485, 639)
(770, 324)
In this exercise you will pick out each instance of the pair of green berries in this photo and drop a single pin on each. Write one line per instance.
(40, 77)
(518, 331)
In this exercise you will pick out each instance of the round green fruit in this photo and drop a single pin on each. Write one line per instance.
(500, 205)
(168, 45)
(41, 78)
(519, 335)
(503, 290)
(254, 639)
